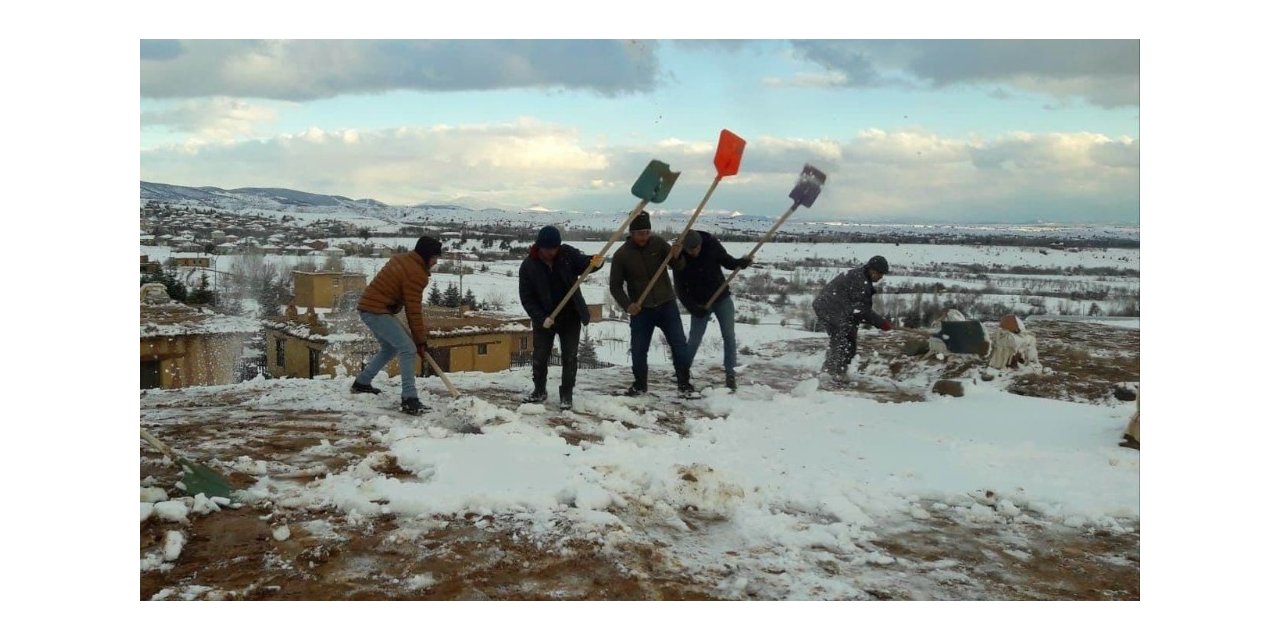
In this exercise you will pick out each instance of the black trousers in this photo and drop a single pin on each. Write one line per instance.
(841, 347)
(569, 329)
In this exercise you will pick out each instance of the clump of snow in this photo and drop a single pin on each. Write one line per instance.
(172, 510)
(173, 543)
(420, 581)
(154, 494)
(806, 388)
(202, 505)
(280, 533)
(146, 511)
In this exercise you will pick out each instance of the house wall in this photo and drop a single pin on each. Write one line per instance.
(188, 361)
(323, 289)
(463, 355)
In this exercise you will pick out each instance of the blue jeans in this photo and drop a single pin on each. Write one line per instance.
(395, 341)
(723, 310)
(667, 318)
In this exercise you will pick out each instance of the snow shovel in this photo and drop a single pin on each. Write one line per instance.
(653, 185)
(453, 391)
(804, 193)
(728, 157)
(196, 478)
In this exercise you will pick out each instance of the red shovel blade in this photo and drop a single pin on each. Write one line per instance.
(729, 153)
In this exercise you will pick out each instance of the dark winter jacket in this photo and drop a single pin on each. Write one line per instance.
(399, 285)
(634, 266)
(846, 300)
(702, 275)
(543, 287)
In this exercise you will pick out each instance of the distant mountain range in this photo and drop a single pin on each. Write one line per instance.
(261, 200)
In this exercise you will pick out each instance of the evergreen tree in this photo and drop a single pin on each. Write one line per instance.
(469, 299)
(203, 294)
(433, 297)
(451, 296)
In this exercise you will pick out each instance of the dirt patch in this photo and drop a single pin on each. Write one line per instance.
(232, 554)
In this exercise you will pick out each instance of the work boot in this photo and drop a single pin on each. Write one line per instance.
(566, 399)
(412, 406)
(537, 396)
(639, 386)
(682, 383)
(356, 387)
(731, 380)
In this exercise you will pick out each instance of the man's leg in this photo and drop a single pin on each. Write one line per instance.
(839, 351)
(390, 331)
(542, 341)
(725, 317)
(380, 359)
(673, 329)
(851, 345)
(641, 334)
(697, 327)
(569, 337)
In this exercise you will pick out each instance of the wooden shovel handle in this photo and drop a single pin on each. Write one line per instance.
(453, 391)
(679, 240)
(160, 446)
(787, 214)
(616, 234)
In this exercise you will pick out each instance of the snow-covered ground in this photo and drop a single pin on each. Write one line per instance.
(790, 486)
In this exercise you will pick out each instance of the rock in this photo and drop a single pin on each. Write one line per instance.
(988, 377)
(916, 346)
(1125, 393)
(949, 388)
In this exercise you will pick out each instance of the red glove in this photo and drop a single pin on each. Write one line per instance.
(885, 326)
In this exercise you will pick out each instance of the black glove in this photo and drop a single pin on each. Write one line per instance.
(744, 263)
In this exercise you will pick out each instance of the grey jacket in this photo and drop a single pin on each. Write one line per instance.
(846, 300)
(634, 266)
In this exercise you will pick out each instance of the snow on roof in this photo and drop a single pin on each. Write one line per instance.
(174, 319)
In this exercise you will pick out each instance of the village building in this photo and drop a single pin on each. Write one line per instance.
(324, 289)
(304, 345)
(184, 346)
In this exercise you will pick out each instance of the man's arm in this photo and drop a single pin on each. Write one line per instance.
(529, 297)
(413, 308)
(618, 277)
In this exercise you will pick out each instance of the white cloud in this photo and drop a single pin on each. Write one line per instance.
(909, 174)
(211, 119)
(506, 162)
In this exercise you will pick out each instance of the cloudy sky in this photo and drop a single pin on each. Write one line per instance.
(907, 131)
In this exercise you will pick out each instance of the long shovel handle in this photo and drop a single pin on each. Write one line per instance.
(616, 234)
(667, 259)
(763, 240)
(160, 446)
(453, 391)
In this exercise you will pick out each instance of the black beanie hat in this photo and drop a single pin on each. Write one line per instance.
(879, 264)
(548, 237)
(427, 247)
(641, 222)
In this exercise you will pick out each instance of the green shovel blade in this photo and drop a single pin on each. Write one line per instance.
(197, 478)
(655, 183)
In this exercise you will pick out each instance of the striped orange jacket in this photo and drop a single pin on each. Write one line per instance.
(399, 285)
